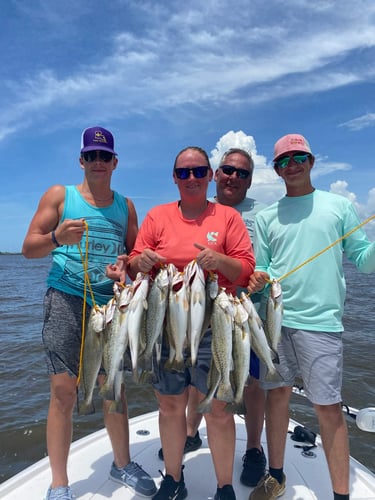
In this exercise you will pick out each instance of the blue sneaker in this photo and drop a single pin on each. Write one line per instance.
(59, 493)
(135, 478)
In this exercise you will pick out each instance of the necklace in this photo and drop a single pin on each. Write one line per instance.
(96, 198)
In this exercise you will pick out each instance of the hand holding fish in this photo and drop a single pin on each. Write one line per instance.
(147, 260)
(257, 281)
(208, 259)
(117, 271)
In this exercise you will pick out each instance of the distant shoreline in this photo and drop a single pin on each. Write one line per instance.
(10, 253)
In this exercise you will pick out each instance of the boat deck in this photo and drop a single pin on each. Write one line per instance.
(91, 457)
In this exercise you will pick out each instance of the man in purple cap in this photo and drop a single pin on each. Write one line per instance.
(301, 225)
(58, 228)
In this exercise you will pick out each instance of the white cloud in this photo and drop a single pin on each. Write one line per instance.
(324, 167)
(192, 57)
(266, 185)
(360, 123)
(364, 210)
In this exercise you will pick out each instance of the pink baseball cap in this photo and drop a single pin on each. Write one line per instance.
(291, 142)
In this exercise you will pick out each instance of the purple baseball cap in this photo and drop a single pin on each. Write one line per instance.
(97, 138)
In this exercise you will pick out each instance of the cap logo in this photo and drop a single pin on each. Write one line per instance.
(297, 140)
(100, 137)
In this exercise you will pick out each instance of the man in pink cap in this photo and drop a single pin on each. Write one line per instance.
(289, 232)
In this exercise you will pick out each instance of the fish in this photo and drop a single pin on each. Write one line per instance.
(212, 290)
(274, 315)
(197, 307)
(241, 356)
(91, 359)
(222, 327)
(155, 315)
(178, 308)
(116, 337)
(136, 318)
(259, 342)
(213, 380)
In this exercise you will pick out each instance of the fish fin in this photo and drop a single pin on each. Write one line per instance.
(236, 408)
(86, 408)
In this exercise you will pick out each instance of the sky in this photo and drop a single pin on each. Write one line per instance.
(169, 74)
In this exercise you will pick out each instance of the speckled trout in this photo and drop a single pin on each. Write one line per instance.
(157, 306)
(116, 342)
(136, 318)
(178, 309)
(92, 358)
(274, 315)
(259, 342)
(222, 328)
(241, 356)
(196, 280)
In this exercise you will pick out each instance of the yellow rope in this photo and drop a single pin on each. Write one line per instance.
(86, 283)
(325, 249)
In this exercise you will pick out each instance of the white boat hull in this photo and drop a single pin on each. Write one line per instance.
(90, 460)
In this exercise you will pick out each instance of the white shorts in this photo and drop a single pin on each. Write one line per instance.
(316, 357)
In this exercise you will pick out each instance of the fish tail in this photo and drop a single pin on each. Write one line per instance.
(136, 376)
(205, 405)
(86, 408)
(175, 365)
(275, 357)
(273, 376)
(225, 393)
(107, 392)
(236, 408)
(116, 407)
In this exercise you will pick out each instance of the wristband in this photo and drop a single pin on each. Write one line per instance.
(54, 240)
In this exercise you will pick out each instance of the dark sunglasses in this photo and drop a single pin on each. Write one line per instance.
(240, 172)
(184, 173)
(91, 156)
(298, 158)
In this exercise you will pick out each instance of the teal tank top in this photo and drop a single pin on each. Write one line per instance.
(107, 227)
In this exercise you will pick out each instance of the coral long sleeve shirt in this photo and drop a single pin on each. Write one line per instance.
(219, 227)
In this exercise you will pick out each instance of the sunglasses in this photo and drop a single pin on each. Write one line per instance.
(240, 172)
(298, 158)
(91, 156)
(184, 173)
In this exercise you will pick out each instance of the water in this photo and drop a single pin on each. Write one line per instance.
(25, 386)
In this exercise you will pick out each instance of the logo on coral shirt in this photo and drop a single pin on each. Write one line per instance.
(212, 237)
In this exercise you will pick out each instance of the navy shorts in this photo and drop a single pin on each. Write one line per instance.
(254, 365)
(170, 383)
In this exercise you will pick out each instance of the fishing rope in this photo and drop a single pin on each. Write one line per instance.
(324, 249)
(86, 284)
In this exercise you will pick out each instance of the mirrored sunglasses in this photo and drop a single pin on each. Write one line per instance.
(240, 172)
(184, 172)
(298, 158)
(91, 156)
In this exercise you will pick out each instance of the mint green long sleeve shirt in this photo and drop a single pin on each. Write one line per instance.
(293, 230)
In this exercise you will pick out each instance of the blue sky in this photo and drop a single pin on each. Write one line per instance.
(163, 75)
